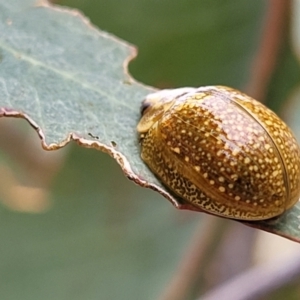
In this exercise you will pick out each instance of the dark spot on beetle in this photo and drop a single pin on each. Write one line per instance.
(180, 95)
(93, 136)
(144, 106)
(141, 137)
(113, 143)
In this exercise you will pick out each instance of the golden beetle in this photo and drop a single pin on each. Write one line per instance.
(221, 151)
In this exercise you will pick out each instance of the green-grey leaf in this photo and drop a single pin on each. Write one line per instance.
(69, 81)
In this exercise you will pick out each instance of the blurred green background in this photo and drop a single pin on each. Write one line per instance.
(183, 43)
(72, 226)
